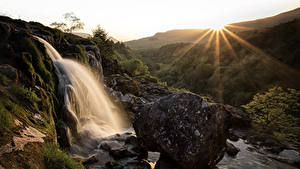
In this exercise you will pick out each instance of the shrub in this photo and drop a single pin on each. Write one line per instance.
(135, 67)
(278, 110)
(57, 159)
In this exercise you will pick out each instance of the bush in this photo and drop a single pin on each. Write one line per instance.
(57, 159)
(135, 67)
(278, 110)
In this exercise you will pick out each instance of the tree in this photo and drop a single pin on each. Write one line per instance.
(72, 23)
(99, 32)
(277, 109)
(135, 67)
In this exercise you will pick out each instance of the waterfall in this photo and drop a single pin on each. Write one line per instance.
(87, 111)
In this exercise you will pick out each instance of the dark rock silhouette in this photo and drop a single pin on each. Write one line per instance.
(184, 128)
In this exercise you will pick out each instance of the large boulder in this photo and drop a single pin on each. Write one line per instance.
(185, 128)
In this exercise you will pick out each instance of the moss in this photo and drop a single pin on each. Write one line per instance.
(31, 157)
(3, 79)
(24, 93)
(6, 120)
(41, 65)
(57, 159)
(82, 55)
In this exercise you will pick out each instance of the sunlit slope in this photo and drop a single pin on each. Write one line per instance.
(269, 21)
(233, 66)
(163, 38)
(190, 35)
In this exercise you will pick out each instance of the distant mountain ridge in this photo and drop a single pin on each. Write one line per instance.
(163, 38)
(191, 35)
(271, 21)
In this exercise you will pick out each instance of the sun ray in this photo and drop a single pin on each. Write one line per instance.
(229, 26)
(208, 44)
(189, 47)
(248, 80)
(228, 44)
(269, 60)
(218, 70)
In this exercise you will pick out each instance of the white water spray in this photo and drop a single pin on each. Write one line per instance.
(88, 112)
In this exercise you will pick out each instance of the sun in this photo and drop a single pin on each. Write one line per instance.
(217, 26)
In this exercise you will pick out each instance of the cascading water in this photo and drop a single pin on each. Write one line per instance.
(88, 111)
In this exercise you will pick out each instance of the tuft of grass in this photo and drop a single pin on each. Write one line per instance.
(57, 159)
(3, 79)
(6, 120)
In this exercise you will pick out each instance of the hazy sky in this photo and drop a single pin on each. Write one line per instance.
(132, 19)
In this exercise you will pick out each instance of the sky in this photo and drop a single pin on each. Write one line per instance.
(133, 19)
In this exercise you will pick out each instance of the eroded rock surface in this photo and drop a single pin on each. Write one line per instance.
(118, 151)
(28, 135)
(185, 128)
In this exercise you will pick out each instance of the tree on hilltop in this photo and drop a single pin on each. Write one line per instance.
(72, 22)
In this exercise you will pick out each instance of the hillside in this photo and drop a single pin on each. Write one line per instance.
(269, 57)
(191, 35)
(163, 38)
(270, 21)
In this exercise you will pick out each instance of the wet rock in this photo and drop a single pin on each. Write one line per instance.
(5, 30)
(267, 142)
(113, 165)
(184, 128)
(165, 162)
(232, 136)
(63, 134)
(70, 119)
(237, 118)
(109, 145)
(94, 63)
(124, 84)
(9, 72)
(91, 160)
(231, 150)
(120, 151)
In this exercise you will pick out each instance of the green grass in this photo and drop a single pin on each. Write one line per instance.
(57, 159)
(3, 79)
(6, 120)
(25, 93)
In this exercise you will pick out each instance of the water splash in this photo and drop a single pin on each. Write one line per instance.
(87, 110)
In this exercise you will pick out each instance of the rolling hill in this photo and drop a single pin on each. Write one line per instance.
(255, 61)
(191, 35)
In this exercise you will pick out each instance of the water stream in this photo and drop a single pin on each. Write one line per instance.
(88, 111)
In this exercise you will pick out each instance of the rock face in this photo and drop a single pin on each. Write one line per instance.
(118, 151)
(9, 71)
(184, 128)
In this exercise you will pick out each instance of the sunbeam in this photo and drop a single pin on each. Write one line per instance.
(189, 47)
(266, 58)
(218, 70)
(229, 26)
(228, 44)
(208, 44)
